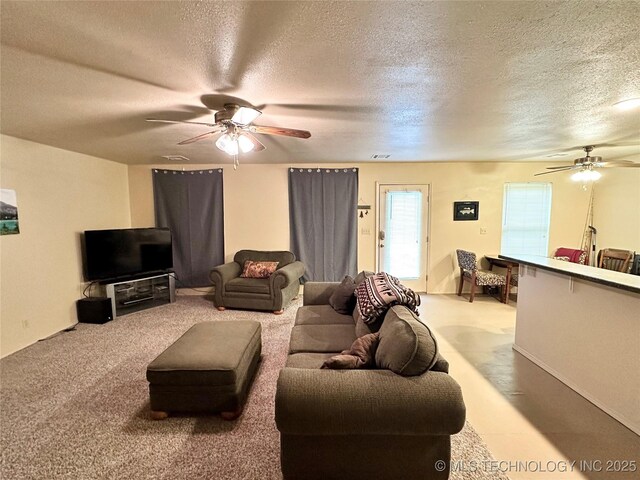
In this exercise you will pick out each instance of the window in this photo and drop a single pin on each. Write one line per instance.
(526, 214)
(402, 252)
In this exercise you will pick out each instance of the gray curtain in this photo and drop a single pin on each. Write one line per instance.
(190, 203)
(323, 207)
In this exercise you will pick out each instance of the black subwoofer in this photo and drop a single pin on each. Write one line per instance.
(94, 310)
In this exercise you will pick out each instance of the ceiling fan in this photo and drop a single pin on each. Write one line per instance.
(586, 166)
(235, 122)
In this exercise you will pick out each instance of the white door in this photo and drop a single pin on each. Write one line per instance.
(402, 237)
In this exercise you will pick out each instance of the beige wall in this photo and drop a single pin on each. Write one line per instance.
(256, 208)
(616, 209)
(59, 194)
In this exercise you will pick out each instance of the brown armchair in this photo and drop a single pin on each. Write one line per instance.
(273, 293)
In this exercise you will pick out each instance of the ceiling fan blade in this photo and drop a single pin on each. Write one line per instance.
(326, 107)
(556, 171)
(560, 167)
(614, 163)
(201, 137)
(179, 121)
(286, 132)
(257, 145)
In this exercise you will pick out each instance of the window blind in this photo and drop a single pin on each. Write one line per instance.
(403, 227)
(526, 215)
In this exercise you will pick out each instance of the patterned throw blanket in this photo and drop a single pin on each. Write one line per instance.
(380, 292)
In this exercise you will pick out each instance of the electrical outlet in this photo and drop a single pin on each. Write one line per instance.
(483, 231)
(25, 323)
(365, 231)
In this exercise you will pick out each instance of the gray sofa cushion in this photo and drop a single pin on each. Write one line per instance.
(321, 338)
(407, 346)
(364, 328)
(248, 285)
(441, 364)
(321, 315)
(308, 360)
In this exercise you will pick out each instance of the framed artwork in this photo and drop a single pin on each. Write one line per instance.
(8, 212)
(465, 210)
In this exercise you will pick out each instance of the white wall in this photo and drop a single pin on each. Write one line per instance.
(616, 209)
(257, 210)
(59, 195)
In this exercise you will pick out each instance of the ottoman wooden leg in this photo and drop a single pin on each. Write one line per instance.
(232, 415)
(222, 309)
(278, 312)
(156, 415)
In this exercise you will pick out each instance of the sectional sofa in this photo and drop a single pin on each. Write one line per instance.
(364, 423)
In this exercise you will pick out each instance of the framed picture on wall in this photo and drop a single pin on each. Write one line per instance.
(465, 210)
(8, 212)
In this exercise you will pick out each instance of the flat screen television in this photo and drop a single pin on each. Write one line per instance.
(112, 254)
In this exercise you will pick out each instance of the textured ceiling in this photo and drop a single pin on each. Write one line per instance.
(423, 81)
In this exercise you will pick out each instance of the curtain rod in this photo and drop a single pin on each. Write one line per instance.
(318, 169)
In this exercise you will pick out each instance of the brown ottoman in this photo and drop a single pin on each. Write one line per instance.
(208, 369)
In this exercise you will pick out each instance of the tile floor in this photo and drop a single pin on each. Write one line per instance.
(534, 425)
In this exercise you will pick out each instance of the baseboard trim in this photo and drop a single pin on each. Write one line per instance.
(609, 411)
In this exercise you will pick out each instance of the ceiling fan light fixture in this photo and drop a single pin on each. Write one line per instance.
(628, 104)
(593, 175)
(586, 175)
(245, 144)
(245, 115)
(227, 144)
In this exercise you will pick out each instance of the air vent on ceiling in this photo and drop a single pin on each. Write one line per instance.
(176, 158)
(380, 155)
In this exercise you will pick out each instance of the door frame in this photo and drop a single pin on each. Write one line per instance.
(379, 187)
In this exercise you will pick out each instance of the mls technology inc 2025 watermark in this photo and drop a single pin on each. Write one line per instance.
(538, 466)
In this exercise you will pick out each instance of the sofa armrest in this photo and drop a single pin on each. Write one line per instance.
(223, 273)
(285, 276)
(318, 293)
(362, 402)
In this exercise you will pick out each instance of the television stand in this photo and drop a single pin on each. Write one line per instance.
(128, 296)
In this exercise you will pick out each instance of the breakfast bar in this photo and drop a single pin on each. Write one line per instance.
(582, 325)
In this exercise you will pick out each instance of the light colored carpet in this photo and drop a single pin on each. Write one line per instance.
(76, 406)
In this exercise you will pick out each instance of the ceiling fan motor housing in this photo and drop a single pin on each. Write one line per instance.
(587, 160)
(227, 114)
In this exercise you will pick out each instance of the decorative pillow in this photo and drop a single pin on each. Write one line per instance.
(362, 276)
(563, 258)
(407, 346)
(379, 292)
(362, 354)
(253, 269)
(343, 299)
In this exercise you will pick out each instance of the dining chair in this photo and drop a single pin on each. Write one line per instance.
(615, 259)
(478, 278)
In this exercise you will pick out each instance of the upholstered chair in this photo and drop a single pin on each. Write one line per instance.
(478, 278)
(615, 259)
(271, 292)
